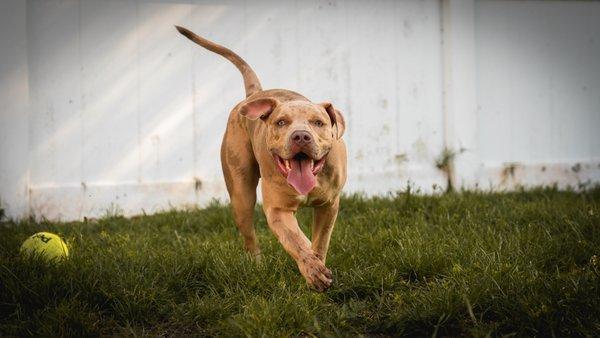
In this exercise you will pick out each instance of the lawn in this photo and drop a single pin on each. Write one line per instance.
(525, 263)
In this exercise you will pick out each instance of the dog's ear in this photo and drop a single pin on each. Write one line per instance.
(258, 108)
(337, 120)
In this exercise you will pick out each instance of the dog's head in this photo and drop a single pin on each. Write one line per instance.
(300, 135)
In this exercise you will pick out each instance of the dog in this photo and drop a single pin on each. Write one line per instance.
(295, 147)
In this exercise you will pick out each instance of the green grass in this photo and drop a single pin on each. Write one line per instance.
(525, 263)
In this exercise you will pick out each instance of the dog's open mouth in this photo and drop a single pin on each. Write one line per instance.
(300, 171)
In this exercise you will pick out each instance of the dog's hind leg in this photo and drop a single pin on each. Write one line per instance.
(241, 177)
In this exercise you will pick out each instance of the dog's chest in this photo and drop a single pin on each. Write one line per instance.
(315, 199)
(302, 199)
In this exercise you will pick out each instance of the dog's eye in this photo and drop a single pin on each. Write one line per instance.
(318, 123)
(281, 123)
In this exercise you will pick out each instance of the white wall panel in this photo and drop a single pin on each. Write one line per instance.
(56, 137)
(539, 80)
(110, 91)
(106, 107)
(165, 113)
(539, 90)
(217, 85)
(14, 110)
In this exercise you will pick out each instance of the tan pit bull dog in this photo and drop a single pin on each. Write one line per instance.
(295, 146)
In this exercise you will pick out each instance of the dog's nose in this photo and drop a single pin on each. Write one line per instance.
(301, 137)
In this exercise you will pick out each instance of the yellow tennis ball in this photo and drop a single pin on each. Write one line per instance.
(47, 245)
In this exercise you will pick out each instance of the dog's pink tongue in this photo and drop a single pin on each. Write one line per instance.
(301, 176)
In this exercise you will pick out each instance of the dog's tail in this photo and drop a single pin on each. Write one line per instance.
(251, 81)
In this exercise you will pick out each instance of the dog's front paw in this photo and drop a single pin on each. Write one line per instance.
(315, 272)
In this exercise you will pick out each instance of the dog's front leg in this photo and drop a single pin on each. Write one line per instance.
(285, 227)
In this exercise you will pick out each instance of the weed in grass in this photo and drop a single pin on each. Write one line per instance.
(523, 263)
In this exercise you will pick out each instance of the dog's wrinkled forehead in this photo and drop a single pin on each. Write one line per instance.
(300, 110)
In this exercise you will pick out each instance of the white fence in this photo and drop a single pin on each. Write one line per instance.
(105, 107)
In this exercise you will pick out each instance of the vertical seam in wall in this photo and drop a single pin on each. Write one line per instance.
(28, 208)
(194, 113)
(81, 114)
(476, 92)
(446, 61)
(348, 72)
(444, 23)
(396, 36)
(459, 91)
(138, 113)
(297, 54)
(246, 30)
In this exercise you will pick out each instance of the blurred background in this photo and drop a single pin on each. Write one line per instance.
(105, 108)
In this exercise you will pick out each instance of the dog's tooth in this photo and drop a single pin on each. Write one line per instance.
(312, 164)
(287, 165)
